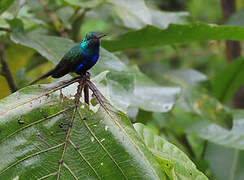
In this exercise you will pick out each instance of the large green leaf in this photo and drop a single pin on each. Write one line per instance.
(98, 145)
(39, 43)
(126, 15)
(152, 36)
(133, 89)
(226, 82)
(167, 153)
(129, 16)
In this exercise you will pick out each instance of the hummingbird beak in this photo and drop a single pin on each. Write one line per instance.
(101, 36)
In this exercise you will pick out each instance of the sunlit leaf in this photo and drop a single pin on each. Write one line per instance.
(162, 19)
(133, 14)
(34, 126)
(183, 167)
(39, 43)
(133, 89)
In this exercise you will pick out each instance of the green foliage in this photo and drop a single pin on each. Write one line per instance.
(105, 145)
(174, 88)
(182, 168)
(153, 36)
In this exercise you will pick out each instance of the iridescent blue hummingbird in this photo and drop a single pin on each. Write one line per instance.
(78, 59)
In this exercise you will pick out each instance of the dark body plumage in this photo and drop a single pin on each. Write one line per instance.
(78, 59)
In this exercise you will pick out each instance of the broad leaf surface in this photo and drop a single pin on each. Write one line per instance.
(104, 146)
(163, 19)
(133, 89)
(167, 153)
(175, 33)
(130, 17)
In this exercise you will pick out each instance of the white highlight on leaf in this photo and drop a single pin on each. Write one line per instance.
(92, 139)
(16, 178)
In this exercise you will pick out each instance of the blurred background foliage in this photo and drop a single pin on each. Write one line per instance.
(197, 123)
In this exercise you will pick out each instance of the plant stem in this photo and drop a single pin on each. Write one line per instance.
(204, 149)
(6, 71)
(185, 142)
(233, 50)
(234, 164)
(5, 29)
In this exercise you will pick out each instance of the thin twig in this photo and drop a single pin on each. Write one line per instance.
(6, 71)
(185, 142)
(5, 29)
(233, 50)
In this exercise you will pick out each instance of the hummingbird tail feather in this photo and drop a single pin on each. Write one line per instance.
(49, 73)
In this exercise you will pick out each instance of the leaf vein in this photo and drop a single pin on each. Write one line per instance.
(71, 172)
(83, 157)
(34, 123)
(30, 156)
(111, 157)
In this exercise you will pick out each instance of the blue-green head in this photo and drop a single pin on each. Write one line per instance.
(91, 43)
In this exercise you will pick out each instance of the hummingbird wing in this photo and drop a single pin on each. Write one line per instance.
(69, 62)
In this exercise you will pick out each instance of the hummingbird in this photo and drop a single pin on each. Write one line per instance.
(78, 59)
